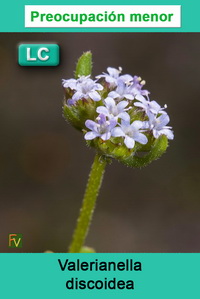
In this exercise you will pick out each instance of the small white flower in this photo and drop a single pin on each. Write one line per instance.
(84, 88)
(114, 110)
(71, 83)
(158, 126)
(130, 132)
(150, 107)
(122, 91)
(113, 76)
(137, 85)
(102, 128)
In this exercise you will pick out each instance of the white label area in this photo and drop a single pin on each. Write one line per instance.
(102, 16)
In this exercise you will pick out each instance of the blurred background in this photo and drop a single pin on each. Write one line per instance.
(44, 163)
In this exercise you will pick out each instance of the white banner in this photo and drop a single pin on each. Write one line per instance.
(102, 16)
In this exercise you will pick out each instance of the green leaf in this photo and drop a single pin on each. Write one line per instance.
(157, 150)
(84, 65)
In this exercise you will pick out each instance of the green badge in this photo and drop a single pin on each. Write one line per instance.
(38, 55)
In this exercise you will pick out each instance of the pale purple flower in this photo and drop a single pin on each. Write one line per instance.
(102, 128)
(84, 88)
(150, 107)
(130, 132)
(114, 110)
(70, 83)
(113, 76)
(73, 83)
(137, 85)
(122, 91)
(158, 126)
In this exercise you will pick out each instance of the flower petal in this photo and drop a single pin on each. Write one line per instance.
(113, 72)
(128, 96)
(125, 123)
(91, 135)
(154, 106)
(156, 133)
(106, 136)
(113, 123)
(98, 86)
(126, 78)
(145, 125)
(112, 81)
(137, 124)
(162, 120)
(139, 97)
(77, 96)
(141, 138)
(71, 83)
(95, 96)
(168, 133)
(139, 104)
(129, 142)
(113, 94)
(102, 110)
(110, 102)
(117, 132)
(124, 115)
(90, 124)
(121, 105)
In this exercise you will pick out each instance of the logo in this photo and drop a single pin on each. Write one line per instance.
(15, 240)
(38, 54)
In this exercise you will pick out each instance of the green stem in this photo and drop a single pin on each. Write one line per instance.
(89, 200)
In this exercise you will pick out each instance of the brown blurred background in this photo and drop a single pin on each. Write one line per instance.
(44, 162)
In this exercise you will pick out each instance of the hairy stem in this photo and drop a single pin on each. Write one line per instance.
(89, 201)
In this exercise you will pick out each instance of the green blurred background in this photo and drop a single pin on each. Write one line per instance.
(44, 162)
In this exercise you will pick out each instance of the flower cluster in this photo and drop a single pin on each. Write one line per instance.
(116, 115)
(125, 109)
